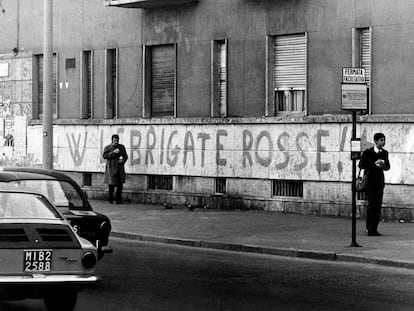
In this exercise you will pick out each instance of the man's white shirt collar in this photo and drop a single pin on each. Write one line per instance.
(376, 149)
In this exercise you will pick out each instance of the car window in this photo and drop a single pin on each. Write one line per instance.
(25, 205)
(60, 193)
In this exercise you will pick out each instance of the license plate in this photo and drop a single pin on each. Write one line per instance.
(37, 260)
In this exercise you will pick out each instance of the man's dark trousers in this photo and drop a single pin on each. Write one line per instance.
(118, 194)
(374, 207)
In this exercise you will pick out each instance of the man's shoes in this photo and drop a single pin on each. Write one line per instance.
(111, 201)
(376, 233)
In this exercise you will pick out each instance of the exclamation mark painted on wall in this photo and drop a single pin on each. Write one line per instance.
(342, 147)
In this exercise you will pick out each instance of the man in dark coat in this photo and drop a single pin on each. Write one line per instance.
(375, 161)
(115, 156)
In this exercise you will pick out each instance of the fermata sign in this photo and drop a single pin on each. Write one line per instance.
(353, 75)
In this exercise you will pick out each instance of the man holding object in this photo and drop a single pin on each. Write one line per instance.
(375, 161)
(115, 156)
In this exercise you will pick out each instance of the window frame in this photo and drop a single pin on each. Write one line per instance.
(111, 83)
(36, 115)
(217, 107)
(271, 109)
(85, 105)
(146, 81)
(357, 60)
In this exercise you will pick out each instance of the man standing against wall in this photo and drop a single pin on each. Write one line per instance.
(375, 161)
(115, 156)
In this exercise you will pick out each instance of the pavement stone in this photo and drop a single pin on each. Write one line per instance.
(273, 233)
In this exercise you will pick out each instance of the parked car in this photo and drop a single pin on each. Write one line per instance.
(69, 198)
(41, 256)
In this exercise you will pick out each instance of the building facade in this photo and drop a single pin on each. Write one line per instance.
(220, 103)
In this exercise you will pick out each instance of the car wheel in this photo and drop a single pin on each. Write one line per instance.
(61, 303)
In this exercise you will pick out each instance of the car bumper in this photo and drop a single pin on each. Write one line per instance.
(49, 279)
(20, 287)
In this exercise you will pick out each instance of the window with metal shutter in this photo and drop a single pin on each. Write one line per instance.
(289, 72)
(111, 83)
(87, 84)
(40, 84)
(365, 53)
(89, 88)
(162, 80)
(222, 71)
(290, 61)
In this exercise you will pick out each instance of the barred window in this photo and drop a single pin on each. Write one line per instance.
(160, 182)
(287, 188)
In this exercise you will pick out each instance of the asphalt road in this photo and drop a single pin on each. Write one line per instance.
(144, 276)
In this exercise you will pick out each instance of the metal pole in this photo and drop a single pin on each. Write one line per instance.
(354, 242)
(47, 84)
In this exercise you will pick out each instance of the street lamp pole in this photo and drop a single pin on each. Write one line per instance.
(47, 84)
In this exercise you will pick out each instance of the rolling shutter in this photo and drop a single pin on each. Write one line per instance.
(89, 90)
(222, 69)
(290, 62)
(163, 80)
(365, 48)
(40, 79)
(111, 83)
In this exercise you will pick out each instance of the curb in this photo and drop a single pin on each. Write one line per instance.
(287, 252)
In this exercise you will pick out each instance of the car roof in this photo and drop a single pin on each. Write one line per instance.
(18, 173)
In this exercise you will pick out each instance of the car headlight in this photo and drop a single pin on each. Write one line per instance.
(88, 260)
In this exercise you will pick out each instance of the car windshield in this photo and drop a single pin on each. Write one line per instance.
(25, 205)
(60, 193)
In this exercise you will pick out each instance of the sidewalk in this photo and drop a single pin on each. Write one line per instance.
(318, 237)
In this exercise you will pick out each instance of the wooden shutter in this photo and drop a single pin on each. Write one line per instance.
(290, 62)
(365, 50)
(162, 80)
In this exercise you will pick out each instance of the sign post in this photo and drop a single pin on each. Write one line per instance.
(354, 98)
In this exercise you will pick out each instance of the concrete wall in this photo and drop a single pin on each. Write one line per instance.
(79, 25)
(89, 25)
(246, 148)
(316, 152)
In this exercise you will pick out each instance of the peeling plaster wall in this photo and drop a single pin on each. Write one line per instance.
(16, 88)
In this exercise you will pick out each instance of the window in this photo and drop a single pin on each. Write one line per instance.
(87, 179)
(111, 84)
(38, 86)
(160, 182)
(160, 81)
(220, 185)
(219, 79)
(365, 52)
(289, 73)
(289, 188)
(87, 85)
(362, 56)
(25, 205)
(61, 193)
